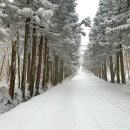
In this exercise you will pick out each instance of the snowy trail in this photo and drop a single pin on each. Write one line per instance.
(83, 103)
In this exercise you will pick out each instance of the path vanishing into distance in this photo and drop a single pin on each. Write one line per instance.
(84, 102)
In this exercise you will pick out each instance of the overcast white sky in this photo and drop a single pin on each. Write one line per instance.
(87, 8)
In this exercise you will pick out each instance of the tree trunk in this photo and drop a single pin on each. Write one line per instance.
(18, 57)
(118, 67)
(111, 70)
(45, 65)
(122, 65)
(28, 67)
(127, 64)
(13, 70)
(51, 72)
(62, 69)
(65, 72)
(39, 65)
(105, 71)
(56, 69)
(33, 62)
(23, 82)
(53, 75)
(102, 72)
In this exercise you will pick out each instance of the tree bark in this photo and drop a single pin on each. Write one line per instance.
(111, 70)
(56, 69)
(45, 65)
(13, 70)
(23, 82)
(51, 72)
(105, 71)
(39, 65)
(28, 67)
(118, 66)
(18, 58)
(62, 69)
(102, 72)
(122, 65)
(33, 62)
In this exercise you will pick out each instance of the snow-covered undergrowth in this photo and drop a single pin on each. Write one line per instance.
(6, 103)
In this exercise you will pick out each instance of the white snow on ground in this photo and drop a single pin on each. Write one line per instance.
(83, 103)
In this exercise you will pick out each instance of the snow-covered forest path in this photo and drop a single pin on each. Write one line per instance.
(82, 103)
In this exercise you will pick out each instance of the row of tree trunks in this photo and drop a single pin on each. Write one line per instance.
(101, 72)
(52, 71)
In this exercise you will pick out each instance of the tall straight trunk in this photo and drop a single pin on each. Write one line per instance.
(127, 64)
(102, 71)
(118, 66)
(56, 69)
(44, 85)
(111, 70)
(13, 70)
(18, 58)
(39, 65)
(47, 67)
(23, 81)
(62, 69)
(28, 67)
(51, 72)
(122, 65)
(59, 74)
(105, 71)
(33, 62)
(65, 72)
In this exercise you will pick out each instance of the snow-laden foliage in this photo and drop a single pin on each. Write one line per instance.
(25, 12)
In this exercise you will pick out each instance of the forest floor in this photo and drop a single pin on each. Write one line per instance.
(83, 103)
